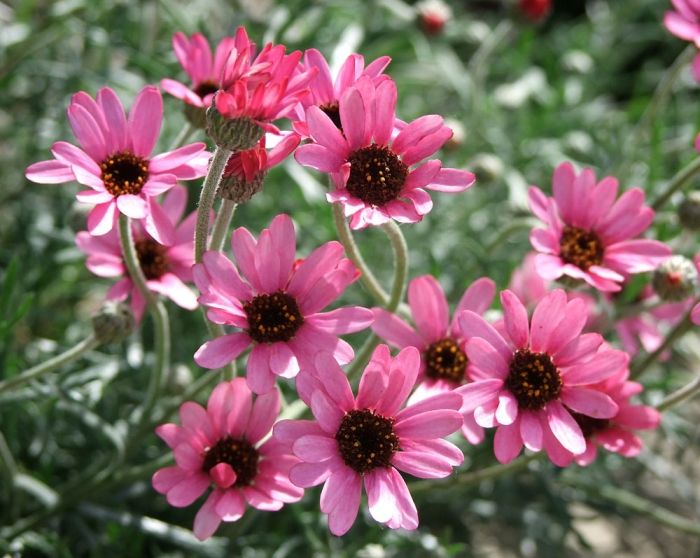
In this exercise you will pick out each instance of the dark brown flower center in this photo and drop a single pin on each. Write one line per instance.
(366, 440)
(124, 173)
(273, 317)
(239, 454)
(444, 360)
(580, 247)
(377, 175)
(206, 88)
(589, 425)
(533, 379)
(332, 110)
(153, 257)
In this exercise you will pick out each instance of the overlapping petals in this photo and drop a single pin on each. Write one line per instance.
(203, 68)
(418, 429)
(430, 313)
(530, 375)
(590, 235)
(268, 266)
(684, 23)
(114, 161)
(167, 268)
(262, 87)
(367, 116)
(325, 91)
(215, 447)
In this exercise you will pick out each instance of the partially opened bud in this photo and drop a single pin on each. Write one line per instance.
(689, 211)
(676, 279)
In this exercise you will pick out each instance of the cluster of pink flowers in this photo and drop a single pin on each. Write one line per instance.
(543, 379)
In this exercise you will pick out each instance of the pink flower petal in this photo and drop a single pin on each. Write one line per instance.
(602, 366)
(166, 478)
(515, 318)
(590, 402)
(483, 356)
(428, 307)
(207, 521)
(172, 159)
(507, 410)
(403, 372)
(222, 350)
(507, 443)
(102, 218)
(306, 475)
(158, 224)
(545, 319)
(431, 424)
(476, 394)
(223, 475)
(145, 118)
(230, 506)
(314, 449)
(265, 411)
(343, 320)
(259, 375)
(531, 430)
(394, 330)
(341, 517)
(188, 490)
(474, 325)
(565, 429)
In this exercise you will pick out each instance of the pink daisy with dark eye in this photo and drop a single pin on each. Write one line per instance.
(684, 23)
(379, 177)
(325, 92)
(589, 235)
(615, 434)
(278, 304)
(441, 342)
(370, 439)
(166, 268)
(222, 446)
(530, 375)
(204, 70)
(115, 161)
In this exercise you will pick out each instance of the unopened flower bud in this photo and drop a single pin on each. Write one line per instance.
(234, 134)
(689, 211)
(459, 134)
(113, 323)
(487, 167)
(433, 14)
(675, 279)
(238, 189)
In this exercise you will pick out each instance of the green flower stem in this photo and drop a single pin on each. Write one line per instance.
(161, 322)
(398, 245)
(217, 166)
(475, 477)
(677, 182)
(86, 345)
(367, 277)
(683, 394)
(638, 504)
(682, 327)
(183, 136)
(221, 225)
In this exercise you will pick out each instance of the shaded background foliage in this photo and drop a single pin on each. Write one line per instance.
(527, 96)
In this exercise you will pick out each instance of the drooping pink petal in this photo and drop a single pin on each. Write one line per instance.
(207, 521)
(565, 429)
(428, 307)
(222, 350)
(507, 443)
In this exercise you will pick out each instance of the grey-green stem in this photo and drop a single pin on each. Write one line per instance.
(217, 166)
(222, 224)
(677, 182)
(75, 352)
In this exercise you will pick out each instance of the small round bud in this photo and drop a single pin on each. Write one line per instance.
(487, 167)
(689, 211)
(459, 134)
(114, 322)
(234, 134)
(240, 190)
(433, 14)
(676, 279)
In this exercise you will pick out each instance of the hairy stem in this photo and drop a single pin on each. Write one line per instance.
(684, 393)
(677, 182)
(206, 200)
(221, 225)
(682, 327)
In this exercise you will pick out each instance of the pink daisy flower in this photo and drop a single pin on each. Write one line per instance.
(616, 433)
(262, 87)
(325, 92)
(246, 171)
(527, 377)
(441, 342)
(684, 23)
(370, 438)
(115, 161)
(204, 70)
(223, 446)
(277, 303)
(166, 268)
(378, 178)
(589, 235)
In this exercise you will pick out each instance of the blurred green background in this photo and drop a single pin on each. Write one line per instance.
(526, 97)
